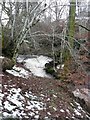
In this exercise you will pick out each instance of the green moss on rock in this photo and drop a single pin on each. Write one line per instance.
(7, 63)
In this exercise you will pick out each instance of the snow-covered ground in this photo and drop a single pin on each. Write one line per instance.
(27, 105)
(15, 104)
(1, 57)
(19, 71)
(36, 65)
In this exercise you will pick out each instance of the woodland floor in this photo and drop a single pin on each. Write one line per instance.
(39, 98)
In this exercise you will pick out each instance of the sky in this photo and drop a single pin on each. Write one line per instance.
(62, 2)
(38, 0)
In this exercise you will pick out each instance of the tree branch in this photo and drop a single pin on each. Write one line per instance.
(83, 27)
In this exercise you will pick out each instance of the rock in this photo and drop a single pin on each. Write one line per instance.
(83, 95)
(50, 70)
(7, 63)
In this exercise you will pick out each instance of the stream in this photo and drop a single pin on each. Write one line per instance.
(34, 63)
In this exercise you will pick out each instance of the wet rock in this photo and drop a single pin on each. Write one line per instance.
(50, 69)
(84, 97)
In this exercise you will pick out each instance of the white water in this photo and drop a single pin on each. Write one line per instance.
(35, 64)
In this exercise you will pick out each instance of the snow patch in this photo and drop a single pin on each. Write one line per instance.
(62, 110)
(15, 104)
(36, 116)
(8, 106)
(1, 57)
(48, 99)
(1, 97)
(5, 114)
(48, 113)
(15, 97)
(19, 71)
(68, 111)
(77, 112)
(55, 109)
(54, 96)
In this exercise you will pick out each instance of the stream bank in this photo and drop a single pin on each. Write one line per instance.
(31, 65)
(39, 97)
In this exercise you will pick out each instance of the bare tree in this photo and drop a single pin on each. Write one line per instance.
(21, 18)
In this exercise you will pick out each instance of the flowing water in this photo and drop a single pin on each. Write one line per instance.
(35, 64)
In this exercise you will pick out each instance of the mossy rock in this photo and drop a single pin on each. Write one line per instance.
(7, 63)
(50, 70)
(8, 45)
(8, 50)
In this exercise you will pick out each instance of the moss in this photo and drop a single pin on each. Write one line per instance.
(2, 38)
(50, 70)
(63, 77)
(9, 50)
(7, 43)
(66, 55)
(7, 63)
(70, 33)
(71, 23)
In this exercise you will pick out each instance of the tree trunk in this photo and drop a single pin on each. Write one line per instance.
(71, 23)
(70, 35)
(88, 46)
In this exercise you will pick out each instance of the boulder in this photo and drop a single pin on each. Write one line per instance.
(6, 63)
(83, 94)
